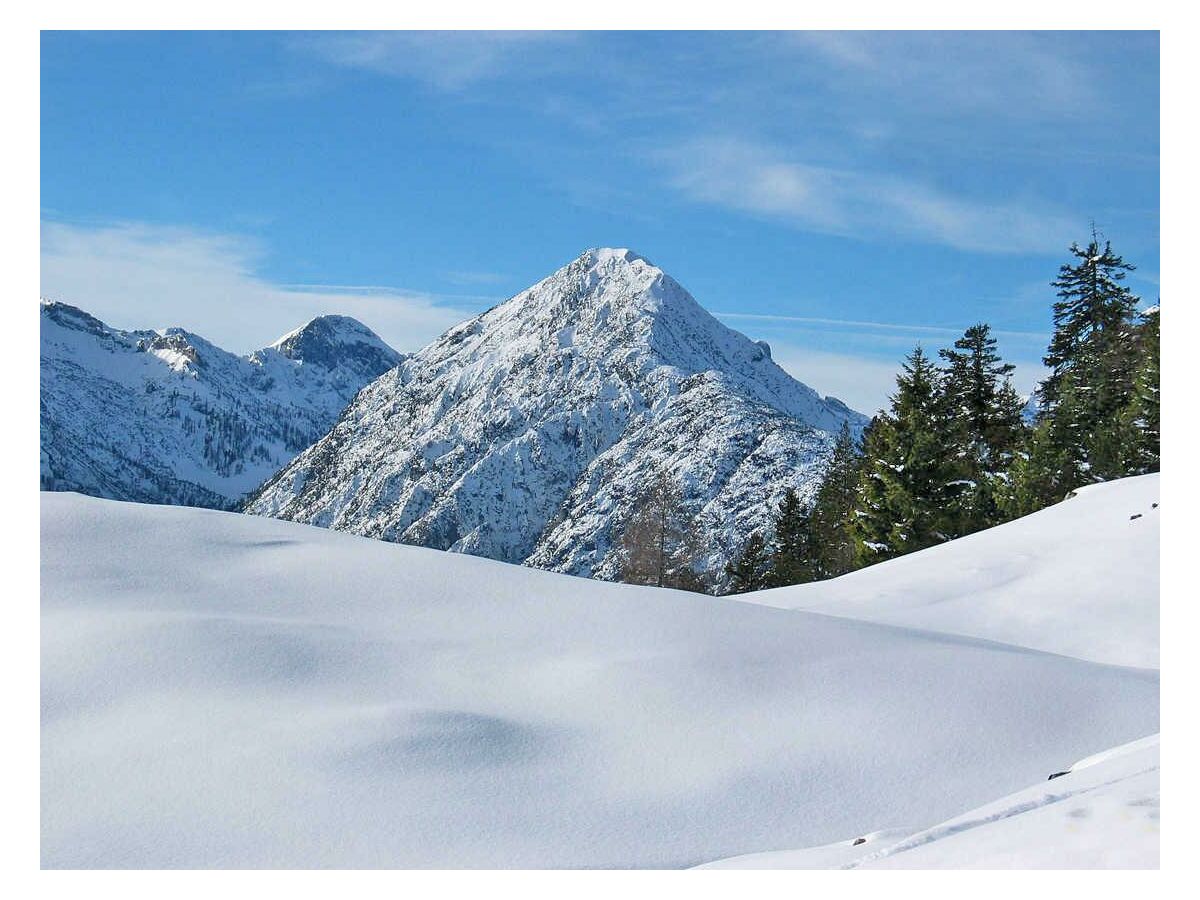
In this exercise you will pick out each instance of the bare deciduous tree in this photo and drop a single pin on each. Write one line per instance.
(661, 543)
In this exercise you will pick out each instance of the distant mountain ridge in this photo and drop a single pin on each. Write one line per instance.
(527, 433)
(167, 417)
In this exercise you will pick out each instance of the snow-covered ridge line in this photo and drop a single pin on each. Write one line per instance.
(165, 416)
(527, 433)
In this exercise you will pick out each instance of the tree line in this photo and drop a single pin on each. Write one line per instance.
(953, 453)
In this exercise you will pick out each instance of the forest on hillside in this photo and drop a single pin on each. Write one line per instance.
(955, 451)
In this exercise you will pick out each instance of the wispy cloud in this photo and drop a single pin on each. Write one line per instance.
(758, 179)
(468, 277)
(136, 275)
(882, 326)
(446, 60)
(836, 132)
(1014, 74)
(862, 382)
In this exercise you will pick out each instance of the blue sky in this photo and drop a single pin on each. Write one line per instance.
(841, 194)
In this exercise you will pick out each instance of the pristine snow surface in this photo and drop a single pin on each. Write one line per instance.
(527, 433)
(1103, 814)
(1079, 578)
(167, 417)
(228, 690)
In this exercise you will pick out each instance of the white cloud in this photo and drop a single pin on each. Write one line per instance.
(861, 382)
(447, 60)
(480, 278)
(753, 178)
(1007, 73)
(134, 275)
(876, 326)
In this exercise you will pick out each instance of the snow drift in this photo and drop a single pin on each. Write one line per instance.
(233, 691)
(1078, 578)
(1102, 814)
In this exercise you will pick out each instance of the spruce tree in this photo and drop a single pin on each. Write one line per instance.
(1036, 477)
(1093, 312)
(871, 521)
(1083, 429)
(832, 545)
(1140, 419)
(984, 419)
(909, 477)
(751, 569)
(790, 562)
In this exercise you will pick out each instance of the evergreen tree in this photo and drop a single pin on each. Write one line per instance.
(871, 521)
(1140, 419)
(1092, 314)
(831, 542)
(984, 419)
(1085, 426)
(790, 547)
(909, 477)
(1036, 477)
(751, 569)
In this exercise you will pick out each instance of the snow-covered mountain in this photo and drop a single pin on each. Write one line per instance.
(527, 433)
(1030, 410)
(166, 417)
(221, 690)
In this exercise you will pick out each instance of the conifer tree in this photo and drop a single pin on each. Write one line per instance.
(1036, 477)
(790, 546)
(984, 419)
(1140, 419)
(1083, 431)
(1092, 314)
(909, 476)
(871, 521)
(832, 545)
(751, 569)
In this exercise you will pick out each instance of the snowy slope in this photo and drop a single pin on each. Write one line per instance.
(1103, 814)
(166, 417)
(527, 433)
(1078, 578)
(227, 690)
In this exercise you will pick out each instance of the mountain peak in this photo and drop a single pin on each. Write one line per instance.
(165, 416)
(608, 286)
(70, 316)
(528, 432)
(599, 255)
(327, 340)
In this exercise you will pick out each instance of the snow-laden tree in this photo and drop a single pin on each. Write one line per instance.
(984, 420)
(1091, 425)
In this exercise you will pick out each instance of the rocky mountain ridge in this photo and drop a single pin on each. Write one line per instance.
(168, 417)
(527, 433)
